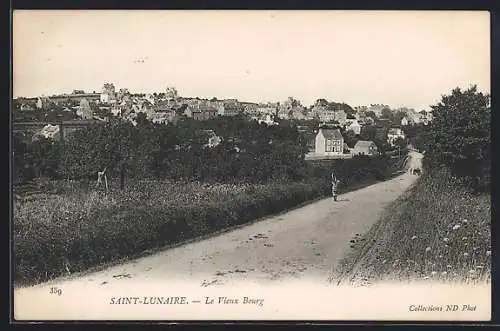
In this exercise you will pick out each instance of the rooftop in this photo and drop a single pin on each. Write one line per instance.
(331, 133)
(363, 144)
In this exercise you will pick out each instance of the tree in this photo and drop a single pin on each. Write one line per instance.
(321, 102)
(387, 113)
(142, 120)
(461, 133)
(400, 142)
(123, 92)
(397, 117)
(109, 88)
(171, 93)
(371, 114)
(350, 138)
(21, 169)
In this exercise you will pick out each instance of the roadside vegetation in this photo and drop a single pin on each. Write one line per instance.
(165, 187)
(441, 229)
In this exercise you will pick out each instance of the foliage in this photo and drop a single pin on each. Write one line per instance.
(460, 134)
(376, 134)
(350, 138)
(33, 159)
(400, 142)
(371, 113)
(386, 113)
(54, 114)
(249, 151)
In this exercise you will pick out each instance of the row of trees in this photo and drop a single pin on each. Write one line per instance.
(248, 151)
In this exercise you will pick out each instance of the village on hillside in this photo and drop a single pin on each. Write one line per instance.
(333, 130)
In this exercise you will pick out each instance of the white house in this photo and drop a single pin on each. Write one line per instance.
(393, 134)
(365, 147)
(329, 141)
(107, 98)
(268, 120)
(50, 131)
(84, 111)
(354, 126)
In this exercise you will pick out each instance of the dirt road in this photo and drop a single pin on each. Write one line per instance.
(305, 243)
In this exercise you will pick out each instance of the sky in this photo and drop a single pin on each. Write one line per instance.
(399, 58)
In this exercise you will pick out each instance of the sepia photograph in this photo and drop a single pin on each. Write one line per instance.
(214, 165)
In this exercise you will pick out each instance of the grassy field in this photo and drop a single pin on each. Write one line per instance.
(75, 229)
(439, 231)
(65, 227)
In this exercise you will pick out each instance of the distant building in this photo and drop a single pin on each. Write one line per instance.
(267, 119)
(249, 108)
(84, 111)
(27, 107)
(108, 94)
(354, 126)
(329, 141)
(74, 97)
(377, 108)
(324, 114)
(229, 108)
(204, 113)
(393, 134)
(426, 117)
(266, 110)
(48, 131)
(298, 113)
(42, 102)
(162, 116)
(412, 116)
(365, 147)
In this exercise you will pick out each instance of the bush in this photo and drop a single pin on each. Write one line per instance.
(459, 136)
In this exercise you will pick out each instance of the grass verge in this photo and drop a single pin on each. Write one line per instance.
(438, 231)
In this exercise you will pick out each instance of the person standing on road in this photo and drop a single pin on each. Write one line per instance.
(335, 183)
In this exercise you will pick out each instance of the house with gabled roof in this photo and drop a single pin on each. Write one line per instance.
(329, 141)
(365, 147)
(203, 113)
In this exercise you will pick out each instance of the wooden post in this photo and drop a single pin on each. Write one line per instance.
(100, 176)
(106, 181)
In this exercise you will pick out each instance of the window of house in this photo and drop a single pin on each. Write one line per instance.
(329, 145)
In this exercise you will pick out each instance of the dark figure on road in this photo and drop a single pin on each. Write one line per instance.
(335, 183)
